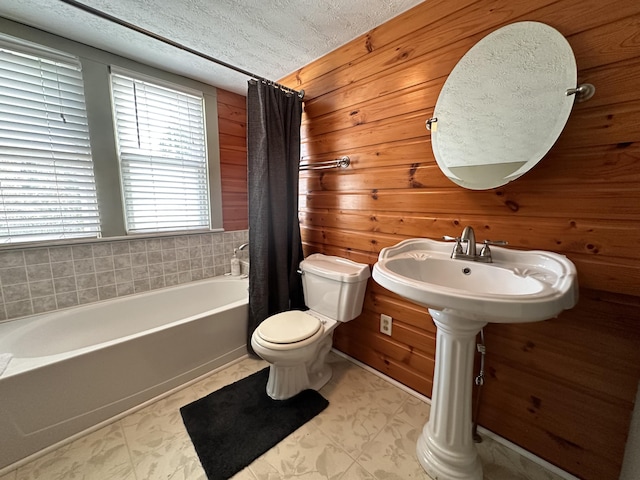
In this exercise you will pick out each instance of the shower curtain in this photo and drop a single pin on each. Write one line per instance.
(275, 248)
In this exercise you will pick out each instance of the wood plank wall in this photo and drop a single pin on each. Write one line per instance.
(562, 389)
(232, 125)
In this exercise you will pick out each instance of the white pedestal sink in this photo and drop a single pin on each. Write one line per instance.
(463, 296)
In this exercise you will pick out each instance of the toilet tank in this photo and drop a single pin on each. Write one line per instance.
(334, 286)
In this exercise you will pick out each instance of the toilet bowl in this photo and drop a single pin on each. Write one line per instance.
(296, 343)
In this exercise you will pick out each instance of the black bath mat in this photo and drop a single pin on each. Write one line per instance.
(233, 426)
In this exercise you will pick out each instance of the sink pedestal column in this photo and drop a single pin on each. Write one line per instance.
(445, 448)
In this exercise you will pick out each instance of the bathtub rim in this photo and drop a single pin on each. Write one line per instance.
(22, 365)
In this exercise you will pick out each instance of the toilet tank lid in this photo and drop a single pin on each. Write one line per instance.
(335, 268)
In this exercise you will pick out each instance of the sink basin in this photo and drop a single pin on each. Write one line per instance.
(519, 286)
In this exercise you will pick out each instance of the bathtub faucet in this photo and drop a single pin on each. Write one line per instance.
(243, 246)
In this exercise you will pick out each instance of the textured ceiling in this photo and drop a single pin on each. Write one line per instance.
(270, 38)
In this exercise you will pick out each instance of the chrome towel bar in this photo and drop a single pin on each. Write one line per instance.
(342, 162)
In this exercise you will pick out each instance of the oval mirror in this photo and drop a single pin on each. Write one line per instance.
(504, 105)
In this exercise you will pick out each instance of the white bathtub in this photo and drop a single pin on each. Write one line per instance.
(75, 368)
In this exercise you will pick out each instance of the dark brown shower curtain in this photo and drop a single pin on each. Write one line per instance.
(275, 248)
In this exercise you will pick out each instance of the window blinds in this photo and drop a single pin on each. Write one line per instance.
(163, 164)
(47, 187)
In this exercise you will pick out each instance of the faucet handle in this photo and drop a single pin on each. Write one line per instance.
(457, 249)
(496, 242)
(486, 251)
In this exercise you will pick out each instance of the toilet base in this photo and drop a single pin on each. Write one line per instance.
(290, 375)
(286, 381)
(319, 379)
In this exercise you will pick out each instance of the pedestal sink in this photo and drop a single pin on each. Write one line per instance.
(463, 296)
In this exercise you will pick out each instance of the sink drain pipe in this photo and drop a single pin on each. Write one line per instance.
(479, 381)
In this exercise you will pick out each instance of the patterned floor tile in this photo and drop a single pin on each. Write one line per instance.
(101, 455)
(414, 411)
(356, 472)
(392, 454)
(175, 459)
(499, 463)
(305, 454)
(147, 429)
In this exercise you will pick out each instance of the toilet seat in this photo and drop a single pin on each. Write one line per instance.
(289, 330)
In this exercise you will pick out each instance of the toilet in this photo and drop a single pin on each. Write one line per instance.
(295, 343)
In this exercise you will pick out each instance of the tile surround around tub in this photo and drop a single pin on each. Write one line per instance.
(41, 279)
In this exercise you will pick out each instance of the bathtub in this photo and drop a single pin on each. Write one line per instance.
(73, 369)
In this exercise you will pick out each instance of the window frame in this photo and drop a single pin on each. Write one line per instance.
(69, 155)
(95, 67)
(134, 76)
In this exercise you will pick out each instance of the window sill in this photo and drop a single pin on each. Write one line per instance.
(80, 241)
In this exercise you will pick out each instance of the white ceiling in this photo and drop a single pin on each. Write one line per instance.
(270, 38)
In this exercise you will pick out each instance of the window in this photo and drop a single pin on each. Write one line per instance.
(162, 153)
(90, 150)
(47, 187)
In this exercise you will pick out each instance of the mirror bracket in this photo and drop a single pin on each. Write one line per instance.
(583, 92)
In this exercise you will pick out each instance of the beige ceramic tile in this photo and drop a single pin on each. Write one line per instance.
(360, 405)
(101, 455)
(499, 463)
(356, 472)
(351, 423)
(149, 428)
(245, 474)
(174, 459)
(414, 411)
(392, 454)
(9, 476)
(305, 454)
(355, 383)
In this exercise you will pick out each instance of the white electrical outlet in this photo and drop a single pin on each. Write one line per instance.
(386, 322)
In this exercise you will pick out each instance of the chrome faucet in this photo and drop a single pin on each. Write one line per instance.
(469, 251)
(243, 246)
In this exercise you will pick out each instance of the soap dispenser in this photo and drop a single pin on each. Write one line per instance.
(235, 263)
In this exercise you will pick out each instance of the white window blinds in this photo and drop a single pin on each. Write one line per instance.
(161, 146)
(47, 187)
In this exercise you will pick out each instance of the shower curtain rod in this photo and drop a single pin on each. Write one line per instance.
(160, 38)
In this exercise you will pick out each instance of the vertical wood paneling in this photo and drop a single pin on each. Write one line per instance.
(563, 389)
(232, 125)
